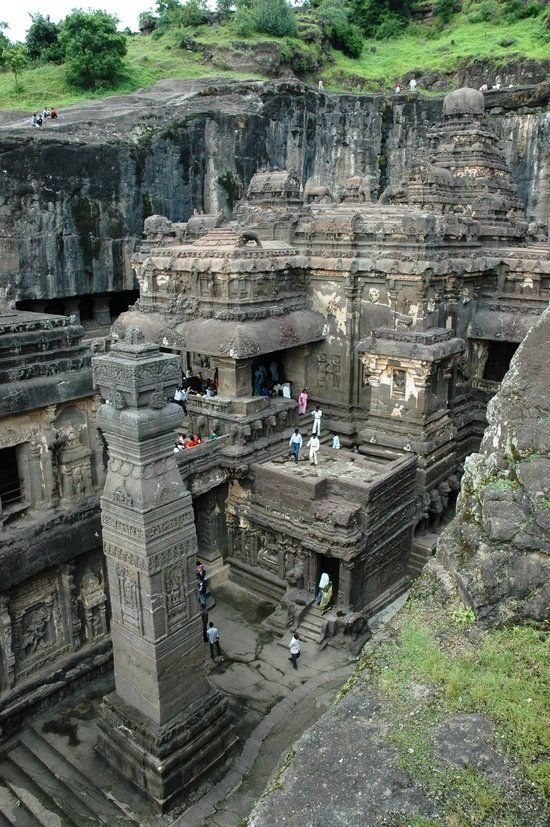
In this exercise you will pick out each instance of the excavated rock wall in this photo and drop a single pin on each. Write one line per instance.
(498, 545)
(74, 196)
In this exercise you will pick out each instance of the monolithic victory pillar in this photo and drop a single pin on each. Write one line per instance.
(164, 725)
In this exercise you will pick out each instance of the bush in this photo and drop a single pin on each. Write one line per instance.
(373, 16)
(42, 39)
(347, 38)
(519, 9)
(93, 49)
(193, 13)
(391, 25)
(274, 17)
(444, 10)
(488, 11)
(332, 13)
(244, 22)
(147, 20)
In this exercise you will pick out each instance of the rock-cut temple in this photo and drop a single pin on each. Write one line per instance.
(399, 314)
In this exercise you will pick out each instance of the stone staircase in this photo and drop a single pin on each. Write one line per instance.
(312, 626)
(40, 788)
(422, 549)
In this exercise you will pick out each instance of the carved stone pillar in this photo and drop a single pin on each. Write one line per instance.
(345, 585)
(164, 725)
(7, 657)
(102, 314)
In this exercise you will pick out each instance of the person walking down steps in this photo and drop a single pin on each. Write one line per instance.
(294, 647)
(317, 416)
(214, 641)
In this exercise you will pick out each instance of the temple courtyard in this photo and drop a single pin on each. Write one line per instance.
(56, 778)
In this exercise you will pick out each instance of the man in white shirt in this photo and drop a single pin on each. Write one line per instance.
(317, 415)
(294, 647)
(313, 445)
(296, 443)
(322, 583)
(180, 398)
(336, 441)
(214, 641)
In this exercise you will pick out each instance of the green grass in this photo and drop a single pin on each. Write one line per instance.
(147, 61)
(501, 673)
(417, 51)
(420, 49)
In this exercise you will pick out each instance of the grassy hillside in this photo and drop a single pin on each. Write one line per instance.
(436, 665)
(421, 48)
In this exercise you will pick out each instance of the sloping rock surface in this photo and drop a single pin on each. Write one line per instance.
(498, 545)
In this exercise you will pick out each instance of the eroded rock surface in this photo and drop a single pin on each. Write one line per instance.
(498, 545)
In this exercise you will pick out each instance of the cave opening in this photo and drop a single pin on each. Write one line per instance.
(11, 491)
(498, 360)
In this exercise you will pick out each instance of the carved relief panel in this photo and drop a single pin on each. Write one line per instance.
(40, 632)
(175, 595)
(129, 597)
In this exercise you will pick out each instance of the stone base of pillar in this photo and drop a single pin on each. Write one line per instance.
(165, 761)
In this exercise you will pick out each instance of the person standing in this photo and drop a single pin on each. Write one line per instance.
(313, 445)
(296, 443)
(322, 583)
(214, 641)
(336, 441)
(326, 599)
(202, 593)
(294, 647)
(302, 402)
(317, 416)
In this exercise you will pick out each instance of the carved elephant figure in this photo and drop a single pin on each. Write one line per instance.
(313, 192)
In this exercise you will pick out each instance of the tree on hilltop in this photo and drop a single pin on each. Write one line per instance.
(43, 39)
(93, 49)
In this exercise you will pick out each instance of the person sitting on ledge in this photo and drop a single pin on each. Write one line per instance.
(210, 388)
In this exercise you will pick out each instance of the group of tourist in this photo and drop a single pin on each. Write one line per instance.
(191, 441)
(314, 443)
(38, 119)
(324, 593)
(268, 381)
(195, 385)
(413, 83)
(210, 633)
(323, 599)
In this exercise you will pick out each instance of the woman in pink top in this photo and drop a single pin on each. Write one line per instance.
(302, 403)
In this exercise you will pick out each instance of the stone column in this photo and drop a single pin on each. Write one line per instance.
(164, 726)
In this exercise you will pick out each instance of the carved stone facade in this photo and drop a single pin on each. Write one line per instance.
(52, 469)
(400, 316)
(398, 312)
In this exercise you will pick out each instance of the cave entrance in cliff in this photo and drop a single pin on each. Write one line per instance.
(498, 360)
(332, 568)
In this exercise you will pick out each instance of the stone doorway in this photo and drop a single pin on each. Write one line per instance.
(332, 568)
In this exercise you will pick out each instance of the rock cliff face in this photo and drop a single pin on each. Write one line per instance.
(497, 547)
(75, 193)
